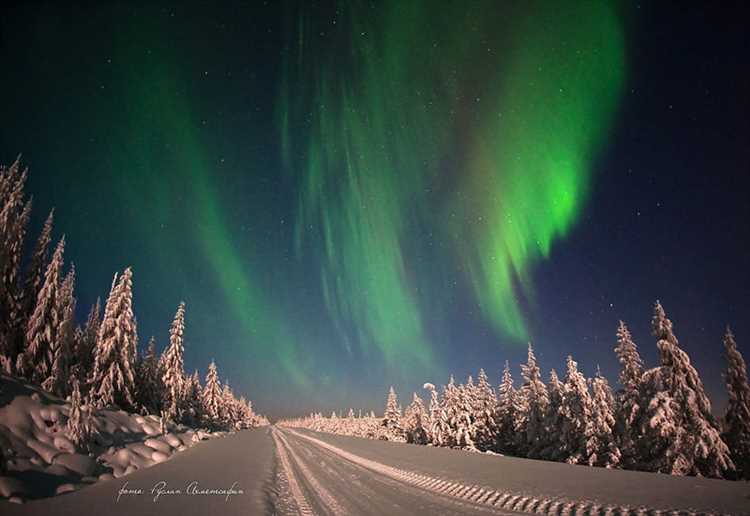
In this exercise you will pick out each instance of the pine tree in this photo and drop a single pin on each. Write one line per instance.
(112, 381)
(576, 415)
(211, 396)
(85, 342)
(534, 400)
(57, 381)
(392, 417)
(680, 435)
(629, 397)
(416, 421)
(173, 373)
(438, 421)
(461, 417)
(149, 389)
(43, 329)
(192, 399)
(228, 408)
(37, 266)
(553, 422)
(484, 404)
(601, 446)
(737, 416)
(80, 428)
(506, 414)
(14, 216)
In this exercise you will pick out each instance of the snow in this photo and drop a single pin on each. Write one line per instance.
(36, 444)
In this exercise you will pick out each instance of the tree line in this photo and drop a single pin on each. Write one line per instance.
(96, 364)
(659, 420)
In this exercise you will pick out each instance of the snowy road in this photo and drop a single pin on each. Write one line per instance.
(318, 478)
(285, 472)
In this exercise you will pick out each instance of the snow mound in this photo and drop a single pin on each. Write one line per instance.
(40, 459)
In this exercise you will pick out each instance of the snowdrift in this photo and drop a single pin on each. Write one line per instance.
(39, 459)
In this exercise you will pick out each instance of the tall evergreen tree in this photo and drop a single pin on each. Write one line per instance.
(680, 435)
(211, 396)
(576, 415)
(483, 408)
(534, 399)
(737, 416)
(112, 381)
(37, 266)
(57, 381)
(173, 373)
(149, 388)
(85, 342)
(438, 420)
(554, 448)
(392, 417)
(629, 396)
(506, 414)
(44, 327)
(601, 445)
(14, 216)
(416, 421)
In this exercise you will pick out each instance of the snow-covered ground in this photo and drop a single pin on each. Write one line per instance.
(41, 460)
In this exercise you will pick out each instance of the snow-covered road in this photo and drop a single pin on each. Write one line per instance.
(283, 471)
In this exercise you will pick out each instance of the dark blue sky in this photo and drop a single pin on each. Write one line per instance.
(154, 133)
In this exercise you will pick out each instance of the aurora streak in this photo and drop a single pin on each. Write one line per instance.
(484, 126)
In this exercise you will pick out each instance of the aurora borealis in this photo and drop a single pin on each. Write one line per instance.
(349, 195)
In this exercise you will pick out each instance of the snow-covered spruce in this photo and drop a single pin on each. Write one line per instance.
(736, 432)
(679, 434)
(172, 367)
(112, 382)
(659, 420)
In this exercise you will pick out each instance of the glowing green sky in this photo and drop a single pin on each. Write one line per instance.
(170, 172)
(484, 126)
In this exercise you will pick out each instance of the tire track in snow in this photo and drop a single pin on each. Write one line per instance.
(487, 497)
(324, 495)
(299, 497)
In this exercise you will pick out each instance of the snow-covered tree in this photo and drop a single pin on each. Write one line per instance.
(534, 401)
(601, 444)
(737, 416)
(193, 399)
(14, 217)
(211, 396)
(37, 267)
(483, 407)
(173, 371)
(392, 417)
(629, 396)
(459, 406)
(80, 428)
(149, 388)
(576, 415)
(553, 420)
(680, 436)
(506, 414)
(85, 342)
(416, 421)
(44, 327)
(112, 381)
(228, 409)
(438, 420)
(61, 351)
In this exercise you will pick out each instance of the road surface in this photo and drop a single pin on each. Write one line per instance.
(293, 472)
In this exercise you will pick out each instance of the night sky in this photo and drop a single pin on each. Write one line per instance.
(348, 197)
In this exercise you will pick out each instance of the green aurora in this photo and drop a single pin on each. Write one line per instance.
(160, 128)
(485, 126)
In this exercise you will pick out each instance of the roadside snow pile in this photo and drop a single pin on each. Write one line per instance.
(39, 457)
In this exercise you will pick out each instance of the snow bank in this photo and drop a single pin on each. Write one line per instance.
(41, 460)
